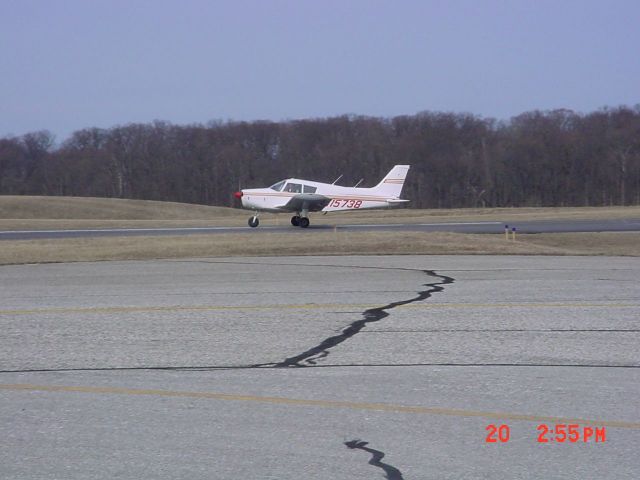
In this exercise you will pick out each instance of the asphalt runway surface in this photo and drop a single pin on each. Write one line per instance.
(531, 226)
(321, 367)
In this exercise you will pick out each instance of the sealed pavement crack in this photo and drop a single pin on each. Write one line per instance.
(310, 357)
(391, 473)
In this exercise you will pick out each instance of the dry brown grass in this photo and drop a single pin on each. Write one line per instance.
(602, 243)
(495, 214)
(34, 213)
(87, 208)
(44, 213)
(314, 243)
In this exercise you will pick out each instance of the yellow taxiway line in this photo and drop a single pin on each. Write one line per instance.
(382, 407)
(306, 306)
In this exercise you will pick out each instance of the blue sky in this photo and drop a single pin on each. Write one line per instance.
(69, 64)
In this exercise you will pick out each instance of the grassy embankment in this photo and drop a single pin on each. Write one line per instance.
(32, 213)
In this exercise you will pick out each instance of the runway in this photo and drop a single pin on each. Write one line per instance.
(320, 367)
(531, 226)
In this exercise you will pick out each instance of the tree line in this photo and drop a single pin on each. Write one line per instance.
(551, 158)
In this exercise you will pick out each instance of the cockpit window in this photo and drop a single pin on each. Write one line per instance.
(309, 189)
(293, 188)
(277, 186)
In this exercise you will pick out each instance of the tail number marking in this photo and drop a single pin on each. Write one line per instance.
(344, 203)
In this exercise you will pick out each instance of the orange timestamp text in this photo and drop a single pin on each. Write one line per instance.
(557, 433)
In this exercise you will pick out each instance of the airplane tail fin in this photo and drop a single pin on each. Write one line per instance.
(391, 185)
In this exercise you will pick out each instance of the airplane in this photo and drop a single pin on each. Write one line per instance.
(300, 197)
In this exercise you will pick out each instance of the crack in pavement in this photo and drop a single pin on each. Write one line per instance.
(391, 472)
(310, 357)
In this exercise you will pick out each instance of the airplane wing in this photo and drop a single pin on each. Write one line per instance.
(306, 201)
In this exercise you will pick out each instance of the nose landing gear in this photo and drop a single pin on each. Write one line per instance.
(254, 221)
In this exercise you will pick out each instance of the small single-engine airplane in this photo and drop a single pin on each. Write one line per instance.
(304, 196)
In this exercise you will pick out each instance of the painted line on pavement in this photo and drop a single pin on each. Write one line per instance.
(204, 229)
(382, 407)
(308, 306)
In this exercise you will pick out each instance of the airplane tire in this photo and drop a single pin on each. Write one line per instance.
(295, 220)
(254, 222)
(304, 222)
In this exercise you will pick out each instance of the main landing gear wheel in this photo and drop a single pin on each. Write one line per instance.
(254, 222)
(295, 220)
(303, 222)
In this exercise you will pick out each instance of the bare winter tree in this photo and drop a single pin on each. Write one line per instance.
(551, 158)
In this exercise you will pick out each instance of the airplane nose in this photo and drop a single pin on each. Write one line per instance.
(238, 195)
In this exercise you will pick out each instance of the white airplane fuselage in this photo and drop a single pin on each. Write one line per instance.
(342, 198)
(295, 195)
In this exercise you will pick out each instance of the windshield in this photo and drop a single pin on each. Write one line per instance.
(277, 186)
